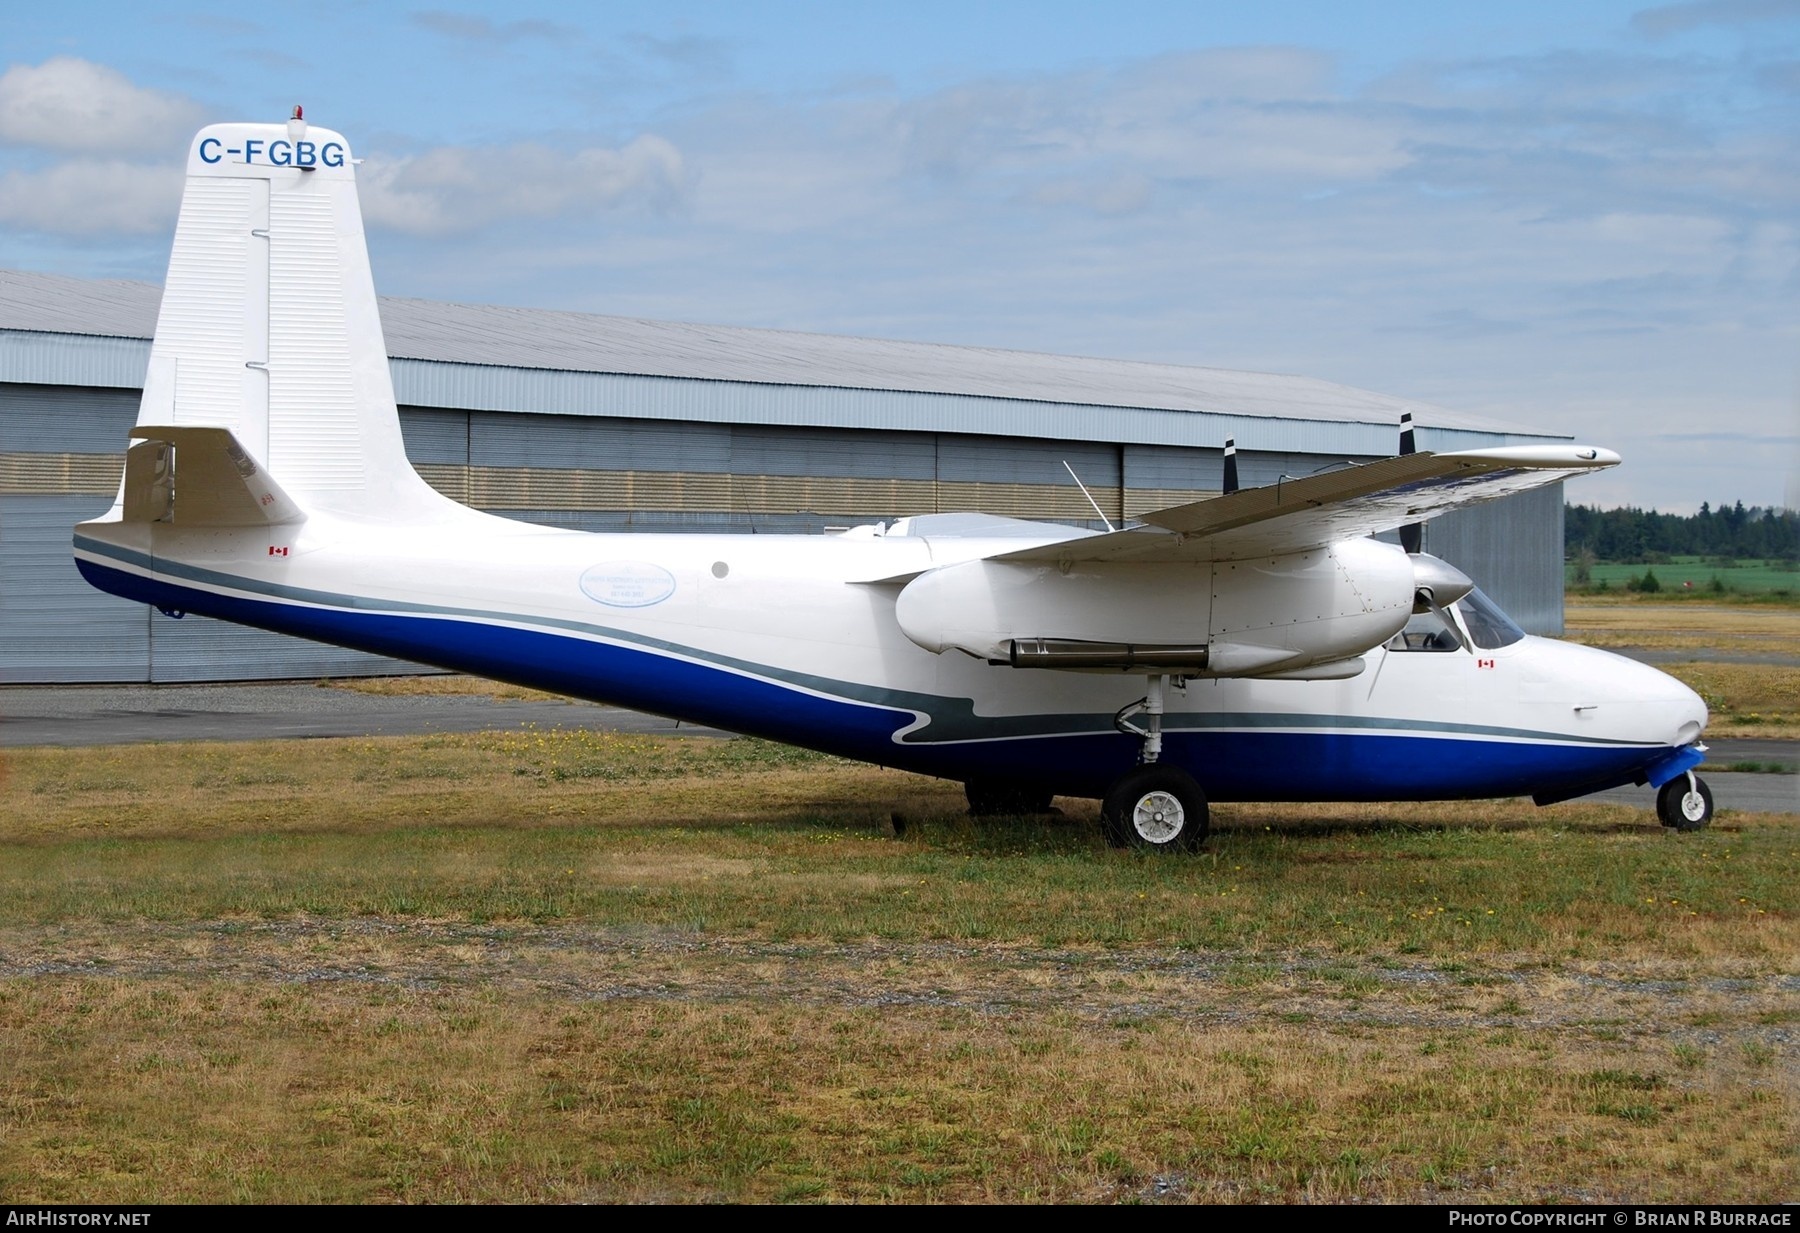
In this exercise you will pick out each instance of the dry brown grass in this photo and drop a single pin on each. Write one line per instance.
(526, 778)
(186, 1088)
(439, 686)
(584, 967)
(1689, 625)
(1746, 700)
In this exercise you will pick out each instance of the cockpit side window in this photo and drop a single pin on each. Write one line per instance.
(1489, 627)
(1425, 632)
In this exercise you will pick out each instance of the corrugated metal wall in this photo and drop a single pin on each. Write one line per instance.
(53, 625)
(597, 473)
(61, 450)
(1513, 550)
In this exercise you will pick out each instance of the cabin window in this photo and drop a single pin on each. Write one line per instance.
(1426, 631)
(1489, 627)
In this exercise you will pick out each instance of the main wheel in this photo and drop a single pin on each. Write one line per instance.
(1157, 808)
(990, 798)
(1685, 803)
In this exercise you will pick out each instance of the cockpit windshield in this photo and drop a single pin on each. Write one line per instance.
(1489, 627)
(1427, 631)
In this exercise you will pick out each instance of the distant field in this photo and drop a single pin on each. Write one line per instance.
(578, 967)
(1747, 699)
(1693, 574)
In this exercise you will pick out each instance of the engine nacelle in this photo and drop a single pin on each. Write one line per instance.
(1226, 618)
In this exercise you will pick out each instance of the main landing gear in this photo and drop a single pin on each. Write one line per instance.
(1153, 807)
(1685, 803)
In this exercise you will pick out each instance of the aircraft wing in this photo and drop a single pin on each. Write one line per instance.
(1297, 514)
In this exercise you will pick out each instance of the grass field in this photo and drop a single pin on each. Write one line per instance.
(570, 966)
(1695, 624)
(1756, 698)
(1695, 574)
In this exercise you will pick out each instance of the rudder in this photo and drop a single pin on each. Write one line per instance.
(269, 325)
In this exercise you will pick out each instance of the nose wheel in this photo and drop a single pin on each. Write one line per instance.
(1685, 803)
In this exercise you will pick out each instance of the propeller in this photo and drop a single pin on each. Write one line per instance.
(1437, 584)
(1412, 535)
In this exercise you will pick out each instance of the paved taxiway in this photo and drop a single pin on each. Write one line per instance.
(131, 714)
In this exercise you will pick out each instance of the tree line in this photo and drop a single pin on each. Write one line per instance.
(1639, 535)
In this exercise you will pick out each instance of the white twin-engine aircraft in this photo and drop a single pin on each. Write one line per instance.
(1258, 646)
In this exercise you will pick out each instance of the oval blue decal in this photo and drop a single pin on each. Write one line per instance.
(627, 584)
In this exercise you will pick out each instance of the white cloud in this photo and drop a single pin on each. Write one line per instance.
(1251, 112)
(692, 53)
(459, 189)
(1124, 193)
(1673, 18)
(1682, 234)
(87, 197)
(66, 104)
(485, 32)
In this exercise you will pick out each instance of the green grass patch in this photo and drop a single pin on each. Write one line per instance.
(1680, 576)
(754, 838)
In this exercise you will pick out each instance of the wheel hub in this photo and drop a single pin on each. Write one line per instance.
(1158, 817)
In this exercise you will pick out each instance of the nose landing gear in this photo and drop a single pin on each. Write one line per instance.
(1685, 803)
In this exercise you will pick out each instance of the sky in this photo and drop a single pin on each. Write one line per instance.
(1581, 217)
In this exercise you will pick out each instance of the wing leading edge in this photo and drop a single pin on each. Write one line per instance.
(1298, 514)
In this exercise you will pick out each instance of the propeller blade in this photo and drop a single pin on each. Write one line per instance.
(1412, 535)
(1231, 475)
(1438, 610)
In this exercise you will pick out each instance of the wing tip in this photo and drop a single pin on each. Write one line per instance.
(1547, 457)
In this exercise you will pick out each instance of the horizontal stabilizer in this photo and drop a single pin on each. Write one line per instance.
(1299, 514)
(200, 477)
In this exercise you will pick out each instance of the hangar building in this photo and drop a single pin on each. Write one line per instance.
(616, 424)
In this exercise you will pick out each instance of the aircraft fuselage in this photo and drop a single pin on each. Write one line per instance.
(795, 638)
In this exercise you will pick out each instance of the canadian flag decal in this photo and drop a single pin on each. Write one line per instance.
(275, 551)
(1480, 663)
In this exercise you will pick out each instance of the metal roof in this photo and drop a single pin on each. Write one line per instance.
(585, 343)
(55, 304)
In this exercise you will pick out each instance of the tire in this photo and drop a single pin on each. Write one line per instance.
(1683, 808)
(1156, 809)
(997, 799)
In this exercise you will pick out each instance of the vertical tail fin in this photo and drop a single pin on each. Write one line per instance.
(269, 326)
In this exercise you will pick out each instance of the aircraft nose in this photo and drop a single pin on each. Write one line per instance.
(1640, 703)
(1690, 713)
(1673, 712)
